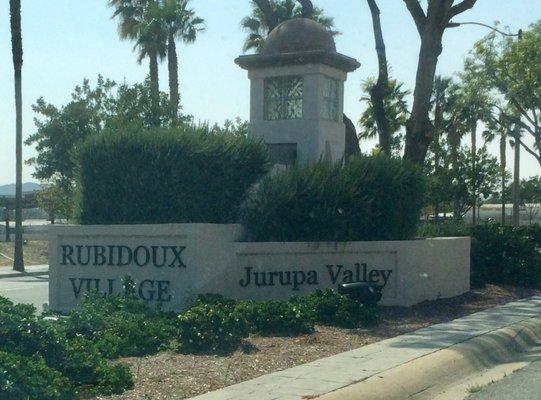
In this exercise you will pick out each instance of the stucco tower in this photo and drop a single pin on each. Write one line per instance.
(297, 93)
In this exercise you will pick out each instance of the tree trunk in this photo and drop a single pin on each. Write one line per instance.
(474, 176)
(454, 145)
(17, 50)
(516, 182)
(419, 128)
(438, 120)
(352, 142)
(268, 14)
(430, 25)
(380, 90)
(172, 64)
(307, 8)
(154, 88)
(503, 165)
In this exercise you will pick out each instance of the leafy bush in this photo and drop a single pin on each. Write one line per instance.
(370, 198)
(86, 368)
(282, 318)
(506, 255)
(330, 308)
(177, 175)
(120, 326)
(500, 254)
(214, 327)
(77, 360)
(29, 378)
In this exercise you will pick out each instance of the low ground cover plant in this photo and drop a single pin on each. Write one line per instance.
(369, 198)
(184, 174)
(62, 357)
(327, 307)
(500, 254)
(38, 361)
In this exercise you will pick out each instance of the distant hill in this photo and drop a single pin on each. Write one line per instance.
(9, 190)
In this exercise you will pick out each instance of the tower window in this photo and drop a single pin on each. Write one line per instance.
(284, 97)
(331, 101)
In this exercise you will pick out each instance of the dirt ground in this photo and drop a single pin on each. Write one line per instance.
(175, 376)
(35, 253)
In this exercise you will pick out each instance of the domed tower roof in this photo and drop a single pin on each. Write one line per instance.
(299, 35)
(295, 42)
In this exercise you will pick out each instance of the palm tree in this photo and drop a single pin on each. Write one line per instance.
(396, 109)
(17, 50)
(180, 23)
(473, 106)
(284, 10)
(142, 21)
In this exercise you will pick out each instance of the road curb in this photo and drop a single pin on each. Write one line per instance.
(15, 274)
(429, 376)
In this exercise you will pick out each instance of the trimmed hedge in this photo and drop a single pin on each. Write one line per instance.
(370, 198)
(175, 175)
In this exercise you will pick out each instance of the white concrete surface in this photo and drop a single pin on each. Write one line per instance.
(172, 264)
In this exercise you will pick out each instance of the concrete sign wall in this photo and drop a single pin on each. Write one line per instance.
(172, 264)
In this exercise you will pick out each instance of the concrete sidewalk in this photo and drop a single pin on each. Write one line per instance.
(30, 270)
(340, 371)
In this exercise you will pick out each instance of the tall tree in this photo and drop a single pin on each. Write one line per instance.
(443, 98)
(380, 90)
(17, 51)
(395, 109)
(92, 109)
(431, 25)
(141, 21)
(181, 23)
(511, 69)
(516, 175)
(473, 105)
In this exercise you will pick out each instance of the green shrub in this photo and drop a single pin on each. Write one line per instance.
(29, 378)
(275, 318)
(165, 176)
(120, 326)
(25, 334)
(370, 198)
(506, 255)
(214, 327)
(86, 367)
(499, 254)
(76, 359)
(327, 307)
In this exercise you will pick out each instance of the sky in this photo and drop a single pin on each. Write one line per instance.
(66, 41)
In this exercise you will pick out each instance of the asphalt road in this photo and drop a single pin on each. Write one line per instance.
(524, 384)
(26, 289)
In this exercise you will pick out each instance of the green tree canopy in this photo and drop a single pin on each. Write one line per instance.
(396, 111)
(60, 130)
(511, 69)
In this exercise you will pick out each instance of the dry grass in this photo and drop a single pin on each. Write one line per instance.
(176, 376)
(35, 253)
